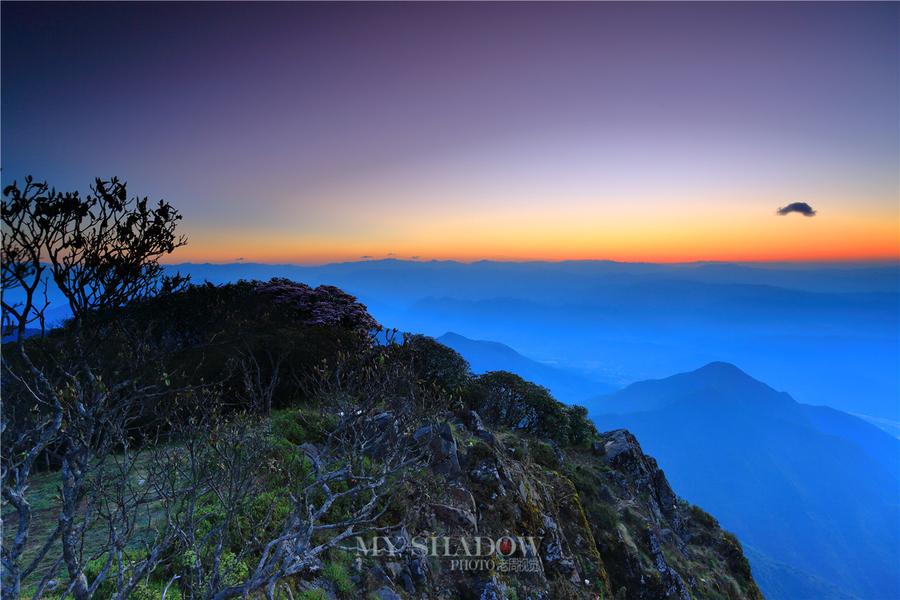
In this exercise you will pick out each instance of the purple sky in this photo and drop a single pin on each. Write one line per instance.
(297, 132)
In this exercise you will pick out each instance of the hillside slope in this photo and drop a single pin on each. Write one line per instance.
(308, 430)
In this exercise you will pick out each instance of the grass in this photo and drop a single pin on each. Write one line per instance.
(338, 575)
(43, 495)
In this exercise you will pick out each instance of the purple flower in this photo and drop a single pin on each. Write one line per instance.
(325, 305)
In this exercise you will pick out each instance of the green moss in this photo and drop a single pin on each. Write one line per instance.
(266, 513)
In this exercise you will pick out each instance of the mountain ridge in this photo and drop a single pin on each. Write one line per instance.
(566, 385)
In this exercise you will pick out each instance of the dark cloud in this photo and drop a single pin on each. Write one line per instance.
(365, 257)
(797, 207)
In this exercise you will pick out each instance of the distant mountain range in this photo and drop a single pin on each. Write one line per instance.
(566, 385)
(812, 492)
(829, 333)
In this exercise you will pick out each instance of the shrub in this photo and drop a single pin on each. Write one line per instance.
(581, 428)
(286, 425)
(437, 364)
(543, 454)
(267, 513)
(703, 517)
(506, 400)
(232, 571)
(478, 450)
(154, 591)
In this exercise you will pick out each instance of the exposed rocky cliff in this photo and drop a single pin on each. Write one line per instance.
(603, 522)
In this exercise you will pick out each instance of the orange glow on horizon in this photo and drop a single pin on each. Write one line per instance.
(668, 236)
(728, 248)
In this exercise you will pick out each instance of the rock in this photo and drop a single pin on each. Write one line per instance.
(486, 474)
(462, 497)
(624, 454)
(473, 421)
(675, 586)
(384, 431)
(377, 577)
(598, 448)
(419, 569)
(476, 425)
(492, 591)
(386, 593)
(394, 569)
(552, 549)
(440, 441)
(456, 516)
(407, 583)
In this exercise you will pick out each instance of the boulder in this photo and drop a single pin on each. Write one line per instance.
(442, 445)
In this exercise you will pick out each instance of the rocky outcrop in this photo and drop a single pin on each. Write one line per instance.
(604, 520)
(440, 442)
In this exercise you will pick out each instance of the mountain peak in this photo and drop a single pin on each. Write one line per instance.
(723, 371)
(718, 381)
(721, 366)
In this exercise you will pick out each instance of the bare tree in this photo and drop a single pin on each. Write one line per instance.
(101, 252)
(259, 382)
(334, 490)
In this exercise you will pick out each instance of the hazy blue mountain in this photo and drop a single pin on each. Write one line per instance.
(828, 333)
(813, 491)
(889, 425)
(779, 580)
(566, 385)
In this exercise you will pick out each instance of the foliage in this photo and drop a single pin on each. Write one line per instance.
(506, 400)
(543, 454)
(435, 363)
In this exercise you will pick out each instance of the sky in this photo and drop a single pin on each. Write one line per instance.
(312, 133)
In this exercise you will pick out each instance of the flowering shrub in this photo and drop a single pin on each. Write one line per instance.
(324, 306)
